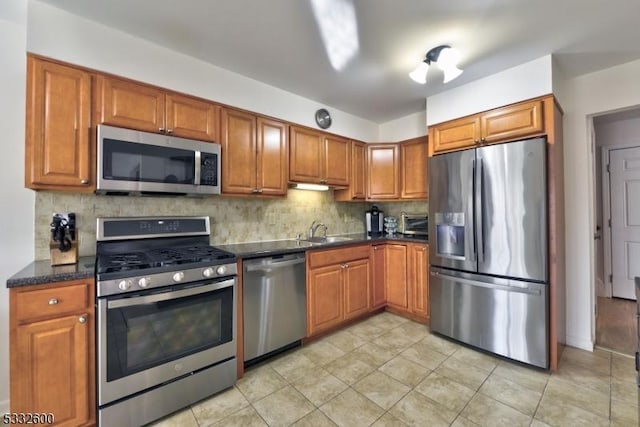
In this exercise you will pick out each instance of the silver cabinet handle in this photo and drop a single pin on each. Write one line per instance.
(161, 129)
(84, 181)
(82, 319)
(53, 301)
(169, 130)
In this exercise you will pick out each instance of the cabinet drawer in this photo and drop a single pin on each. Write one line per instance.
(51, 301)
(336, 256)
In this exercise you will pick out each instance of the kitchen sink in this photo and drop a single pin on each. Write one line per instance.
(326, 240)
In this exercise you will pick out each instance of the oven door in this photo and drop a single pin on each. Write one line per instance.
(151, 337)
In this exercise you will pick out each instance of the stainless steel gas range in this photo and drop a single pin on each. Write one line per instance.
(166, 310)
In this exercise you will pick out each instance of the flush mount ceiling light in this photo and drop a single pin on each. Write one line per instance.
(447, 59)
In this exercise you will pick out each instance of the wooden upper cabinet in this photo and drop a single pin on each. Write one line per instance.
(133, 105)
(239, 152)
(357, 189)
(455, 134)
(189, 117)
(58, 151)
(503, 124)
(513, 121)
(306, 155)
(273, 157)
(254, 154)
(413, 156)
(337, 159)
(383, 171)
(318, 158)
(128, 104)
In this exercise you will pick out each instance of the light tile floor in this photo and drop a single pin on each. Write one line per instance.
(389, 371)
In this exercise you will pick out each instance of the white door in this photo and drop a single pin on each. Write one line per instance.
(624, 179)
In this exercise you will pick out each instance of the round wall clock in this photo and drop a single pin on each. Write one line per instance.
(323, 118)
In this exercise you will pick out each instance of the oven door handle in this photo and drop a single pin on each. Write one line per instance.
(164, 296)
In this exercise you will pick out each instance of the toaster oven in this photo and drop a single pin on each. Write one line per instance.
(414, 223)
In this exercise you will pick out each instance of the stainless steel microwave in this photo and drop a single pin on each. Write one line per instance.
(414, 223)
(136, 162)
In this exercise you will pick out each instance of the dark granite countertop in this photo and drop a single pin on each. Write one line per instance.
(280, 247)
(40, 272)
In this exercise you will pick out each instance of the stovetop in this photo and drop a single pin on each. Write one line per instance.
(180, 257)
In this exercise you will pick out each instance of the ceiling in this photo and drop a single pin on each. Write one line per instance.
(279, 42)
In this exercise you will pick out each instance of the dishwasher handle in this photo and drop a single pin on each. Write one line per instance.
(270, 265)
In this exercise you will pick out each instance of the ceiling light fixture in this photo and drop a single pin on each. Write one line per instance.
(447, 59)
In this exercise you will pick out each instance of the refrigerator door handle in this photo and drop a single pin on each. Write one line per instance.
(475, 239)
(507, 288)
(479, 202)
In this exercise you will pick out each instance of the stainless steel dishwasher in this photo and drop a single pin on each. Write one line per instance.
(275, 304)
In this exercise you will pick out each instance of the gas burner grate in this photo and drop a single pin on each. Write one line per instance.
(123, 262)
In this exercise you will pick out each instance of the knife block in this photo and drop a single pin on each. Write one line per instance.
(63, 258)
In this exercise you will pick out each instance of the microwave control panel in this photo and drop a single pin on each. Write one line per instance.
(209, 169)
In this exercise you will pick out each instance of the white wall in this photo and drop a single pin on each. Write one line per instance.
(411, 126)
(585, 96)
(16, 247)
(524, 81)
(57, 34)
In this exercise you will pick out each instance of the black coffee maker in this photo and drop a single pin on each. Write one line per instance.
(374, 220)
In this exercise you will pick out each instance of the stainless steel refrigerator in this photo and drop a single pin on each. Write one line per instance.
(488, 249)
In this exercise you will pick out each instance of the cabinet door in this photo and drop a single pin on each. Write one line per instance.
(324, 298)
(306, 161)
(357, 184)
(58, 152)
(419, 279)
(378, 288)
(357, 282)
(130, 105)
(395, 269)
(383, 179)
(513, 121)
(455, 134)
(238, 152)
(273, 157)
(413, 155)
(188, 117)
(50, 369)
(337, 159)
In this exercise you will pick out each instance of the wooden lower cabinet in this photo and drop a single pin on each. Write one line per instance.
(378, 288)
(52, 342)
(338, 283)
(395, 273)
(404, 267)
(418, 279)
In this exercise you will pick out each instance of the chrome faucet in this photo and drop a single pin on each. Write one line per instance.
(314, 227)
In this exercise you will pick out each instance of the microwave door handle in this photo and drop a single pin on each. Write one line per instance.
(197, 171)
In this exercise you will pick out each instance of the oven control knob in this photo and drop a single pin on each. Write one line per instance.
(178, 276)
(207, 272)
(221, 270)
(124, 285)
(144, 282)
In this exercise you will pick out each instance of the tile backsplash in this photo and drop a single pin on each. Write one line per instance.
(233, 219)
